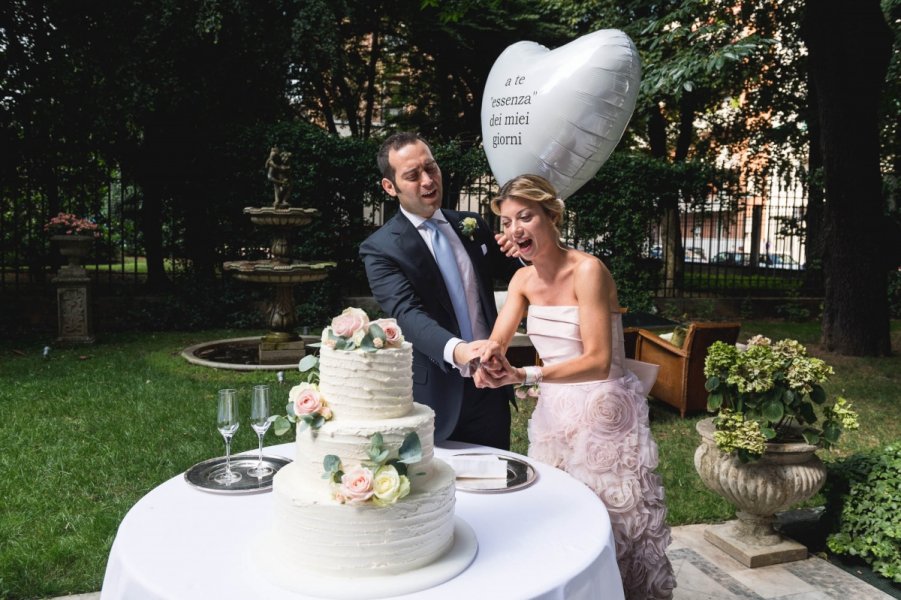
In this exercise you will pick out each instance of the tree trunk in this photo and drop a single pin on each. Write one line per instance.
(657, 132)
(686, 127)
(849, 47)
(152, 231)
(371, 74)
(670, 227)
(813, 216)
(325, 103)
(199, 244)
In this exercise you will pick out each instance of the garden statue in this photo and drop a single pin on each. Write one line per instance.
(277, 171)
(282, 346)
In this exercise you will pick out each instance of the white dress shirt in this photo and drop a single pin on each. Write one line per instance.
(480, 329)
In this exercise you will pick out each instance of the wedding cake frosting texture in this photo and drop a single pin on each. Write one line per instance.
(365, 377)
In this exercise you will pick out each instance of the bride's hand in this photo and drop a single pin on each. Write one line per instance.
(497, 372)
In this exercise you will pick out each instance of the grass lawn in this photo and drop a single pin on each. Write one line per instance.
(86, 432)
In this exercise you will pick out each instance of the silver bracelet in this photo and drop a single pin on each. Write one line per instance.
(533, 375)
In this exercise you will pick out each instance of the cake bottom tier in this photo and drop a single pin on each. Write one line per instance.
(345, 540)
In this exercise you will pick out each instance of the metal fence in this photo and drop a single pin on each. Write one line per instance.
(751, 245)
(745, 246)
(28, 258)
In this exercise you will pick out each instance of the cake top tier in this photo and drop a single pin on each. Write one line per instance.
(364, 371)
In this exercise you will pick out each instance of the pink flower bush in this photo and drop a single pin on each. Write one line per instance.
(69, 224)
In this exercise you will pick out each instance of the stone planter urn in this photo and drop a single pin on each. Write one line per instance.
(73, 291)
(786, 474)
(73, 247)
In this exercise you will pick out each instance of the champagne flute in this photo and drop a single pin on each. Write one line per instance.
(259, 420)
(227, 422)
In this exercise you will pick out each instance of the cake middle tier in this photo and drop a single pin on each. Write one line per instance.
(350, 440)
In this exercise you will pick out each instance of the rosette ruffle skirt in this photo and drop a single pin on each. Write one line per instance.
(598, 432)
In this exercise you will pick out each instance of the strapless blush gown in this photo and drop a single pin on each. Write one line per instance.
(598, 432)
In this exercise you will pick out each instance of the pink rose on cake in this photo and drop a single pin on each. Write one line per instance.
(355, 487)
(306, 399)
(352, 329)
(305, 404)
(393, 336)
(350, 322)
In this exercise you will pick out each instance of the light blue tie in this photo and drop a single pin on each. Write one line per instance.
(450, 271)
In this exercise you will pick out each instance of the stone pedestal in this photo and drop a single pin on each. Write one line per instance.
(73, 300)
(73, 292)
(786, 474)
(729, 538)
(280, 353)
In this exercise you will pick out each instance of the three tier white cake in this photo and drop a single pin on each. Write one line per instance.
(341, 527)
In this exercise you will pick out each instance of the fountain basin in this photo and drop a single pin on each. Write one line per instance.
(239, 354)
(272, 271)
(280, 217)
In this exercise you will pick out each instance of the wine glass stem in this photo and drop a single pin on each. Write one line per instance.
(228, 455)
(260, 463)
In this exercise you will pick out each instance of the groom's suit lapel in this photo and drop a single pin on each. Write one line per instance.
(413, 248)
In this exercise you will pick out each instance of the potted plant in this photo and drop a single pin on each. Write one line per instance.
(73, 234)
(758, 451)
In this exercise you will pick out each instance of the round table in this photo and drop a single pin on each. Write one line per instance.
(551, 540)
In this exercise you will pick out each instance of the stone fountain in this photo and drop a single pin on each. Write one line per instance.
(281, 347)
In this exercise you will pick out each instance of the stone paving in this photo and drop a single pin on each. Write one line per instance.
(704, 572)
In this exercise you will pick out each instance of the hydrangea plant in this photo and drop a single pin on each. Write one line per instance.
(769, 392)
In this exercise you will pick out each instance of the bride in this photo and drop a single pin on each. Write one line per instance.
(591, 418)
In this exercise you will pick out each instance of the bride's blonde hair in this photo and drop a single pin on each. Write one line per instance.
(535, 189)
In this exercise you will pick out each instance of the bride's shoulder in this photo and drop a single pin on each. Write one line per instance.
(588, 263)
(522, 275)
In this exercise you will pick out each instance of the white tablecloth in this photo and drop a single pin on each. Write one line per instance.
(550, 541)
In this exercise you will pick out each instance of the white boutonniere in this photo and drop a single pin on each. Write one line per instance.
(468, 226)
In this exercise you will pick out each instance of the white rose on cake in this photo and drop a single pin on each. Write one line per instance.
(389, 486)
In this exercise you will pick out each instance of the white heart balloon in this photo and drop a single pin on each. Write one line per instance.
(559, 113)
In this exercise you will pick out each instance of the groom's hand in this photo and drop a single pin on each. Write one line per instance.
(507, 246)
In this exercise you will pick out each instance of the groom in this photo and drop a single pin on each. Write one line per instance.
(433, 270)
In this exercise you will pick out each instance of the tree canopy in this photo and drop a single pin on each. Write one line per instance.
(172, 93)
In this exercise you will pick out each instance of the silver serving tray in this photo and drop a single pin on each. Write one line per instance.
(202, 475)
(520, 475)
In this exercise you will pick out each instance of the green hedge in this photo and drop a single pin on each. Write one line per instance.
(864, 507)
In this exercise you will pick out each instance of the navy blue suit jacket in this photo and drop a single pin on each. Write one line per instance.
(407, 284)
